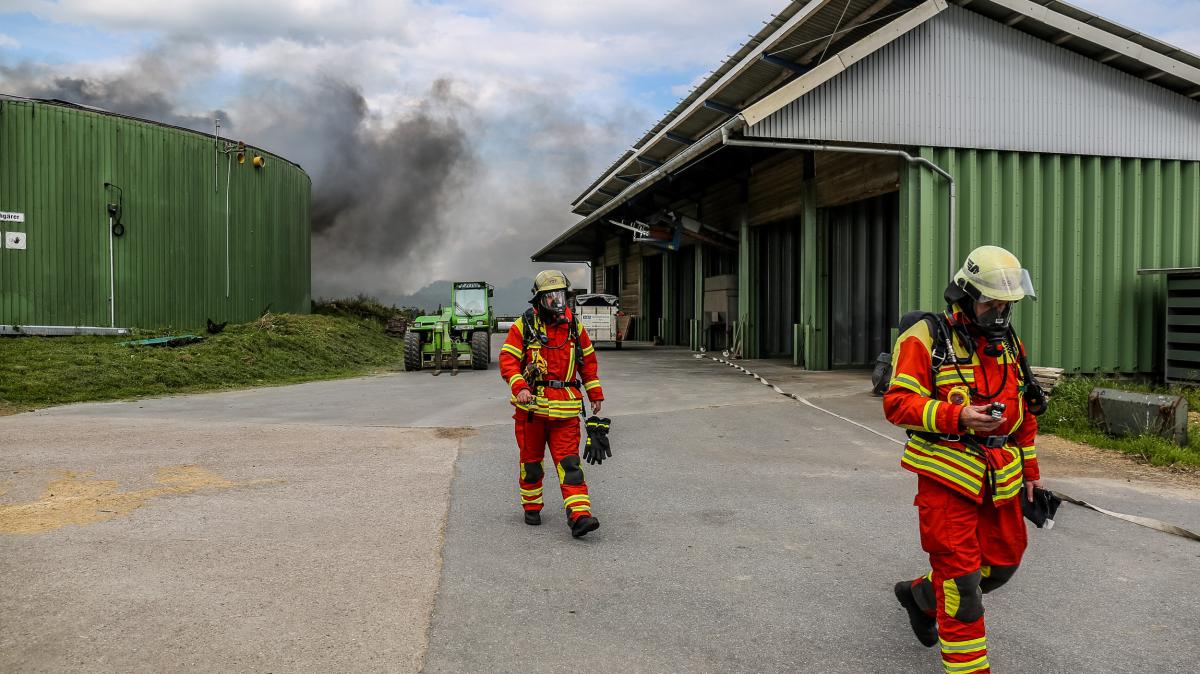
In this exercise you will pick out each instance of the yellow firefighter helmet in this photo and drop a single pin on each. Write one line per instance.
(550, 279)
(993, 273)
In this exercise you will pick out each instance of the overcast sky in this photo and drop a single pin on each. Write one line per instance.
(546, 93)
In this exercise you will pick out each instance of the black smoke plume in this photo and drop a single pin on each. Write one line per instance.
(380, 187)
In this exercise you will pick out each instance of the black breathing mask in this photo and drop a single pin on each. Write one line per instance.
(994, 324)
(553, 306)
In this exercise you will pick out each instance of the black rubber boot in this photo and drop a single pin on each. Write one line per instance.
(923, 624)
(533, 517)
(581, 525)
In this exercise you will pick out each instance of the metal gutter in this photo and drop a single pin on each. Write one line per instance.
(853, 149)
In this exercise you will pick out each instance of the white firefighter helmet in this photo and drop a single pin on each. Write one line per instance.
(993, 273)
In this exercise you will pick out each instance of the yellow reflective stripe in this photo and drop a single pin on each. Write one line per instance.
(595, 383)
(949, 376)
(985, 571)
(513, 350)
(966, 667)
(950, 596)
(1006, 493)
(968, 463)
(929, 416)
(571, 363)
(578, 498)
(519, 323)
(963, 646)
(589, 351)
(538, 501)
(514, 378)
(909, 382)
(1029, 452)
(910, 387)
(1008, 472)
(581, 509)
(531, 492)
(958, 477)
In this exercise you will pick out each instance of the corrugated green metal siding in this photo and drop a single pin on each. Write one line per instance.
(1083, 226)
(170, 265)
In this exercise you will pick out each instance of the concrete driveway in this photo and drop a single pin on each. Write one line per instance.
(356, 525)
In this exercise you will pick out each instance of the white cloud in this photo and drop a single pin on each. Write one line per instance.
(549, 102)
(8, 42)
(306, 20)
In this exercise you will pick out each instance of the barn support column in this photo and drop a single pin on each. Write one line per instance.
(699, 326)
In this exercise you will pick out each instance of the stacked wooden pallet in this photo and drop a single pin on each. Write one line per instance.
(1048, 377)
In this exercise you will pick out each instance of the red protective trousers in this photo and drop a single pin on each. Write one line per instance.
(534, 432)
(973, 549)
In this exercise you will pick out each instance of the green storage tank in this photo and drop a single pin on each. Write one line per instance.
(200, 235)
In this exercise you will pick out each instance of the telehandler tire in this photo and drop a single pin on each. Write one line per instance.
(412, 351)
(481, 349)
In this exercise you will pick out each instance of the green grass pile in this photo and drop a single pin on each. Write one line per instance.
(1067, 417)
(276, 349)
(363, 307)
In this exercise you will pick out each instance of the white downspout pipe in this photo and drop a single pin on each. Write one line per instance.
(727, 139)
(112, 284)
(228, 176)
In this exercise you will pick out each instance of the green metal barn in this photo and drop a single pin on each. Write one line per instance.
(827, 177)
(111, 221)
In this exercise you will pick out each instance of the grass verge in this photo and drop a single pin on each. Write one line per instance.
(276, 349)
(1067, 417)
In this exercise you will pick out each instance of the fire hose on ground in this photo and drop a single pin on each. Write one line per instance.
(1148, 522)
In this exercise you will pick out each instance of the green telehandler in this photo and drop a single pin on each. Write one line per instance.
(461, 332)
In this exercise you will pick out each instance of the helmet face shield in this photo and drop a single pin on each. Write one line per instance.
(554, 301)
(992, 273)
(1008, 285)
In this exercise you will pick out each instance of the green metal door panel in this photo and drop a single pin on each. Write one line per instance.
(169, 267)
(1083, 226)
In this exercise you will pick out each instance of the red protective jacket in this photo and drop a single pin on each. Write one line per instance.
(554, 360)
(919, 402)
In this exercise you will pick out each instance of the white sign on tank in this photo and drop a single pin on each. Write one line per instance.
(5, 216)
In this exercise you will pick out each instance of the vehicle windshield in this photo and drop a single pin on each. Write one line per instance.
(471, 301)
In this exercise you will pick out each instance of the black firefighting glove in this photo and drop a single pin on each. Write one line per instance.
(1042, 509)
(597, 449)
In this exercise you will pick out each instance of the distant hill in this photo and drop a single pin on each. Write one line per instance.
(509, 300)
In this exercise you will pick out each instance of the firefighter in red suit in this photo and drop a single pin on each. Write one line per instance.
(549, 364)
(973, 460)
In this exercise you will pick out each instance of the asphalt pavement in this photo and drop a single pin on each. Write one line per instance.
(740, 532)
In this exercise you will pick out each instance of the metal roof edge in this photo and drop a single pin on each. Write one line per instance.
(852, 54)
(710, 140)
(1104, 38)
(1039, 11)
(698, 96)
(826, 71)
(101, 111)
